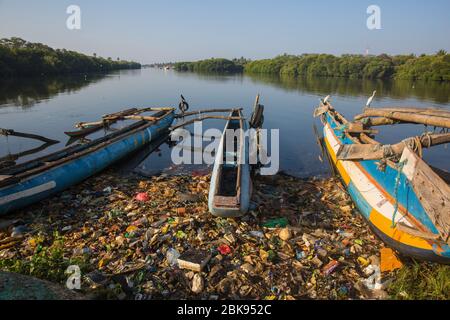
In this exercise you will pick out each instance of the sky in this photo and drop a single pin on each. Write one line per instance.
(150, 31)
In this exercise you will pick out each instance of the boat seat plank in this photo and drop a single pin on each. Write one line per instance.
(230, 202)
(433, 192)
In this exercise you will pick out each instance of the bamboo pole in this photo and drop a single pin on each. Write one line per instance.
(429, 120)
(193, 113)
(381, 121)
(425, 111)
(133, 117)
(204, 118)
(8, 132)
(131, 114)
(11, 158)
(377, 152)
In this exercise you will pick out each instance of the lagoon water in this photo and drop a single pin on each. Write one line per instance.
(51, 106)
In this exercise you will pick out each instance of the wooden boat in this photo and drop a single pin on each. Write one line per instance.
(230, 189)
(405, 202)
(33, 181)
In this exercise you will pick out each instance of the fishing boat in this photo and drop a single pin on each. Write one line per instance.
(32, 181)
(405, 201)
(230, 189)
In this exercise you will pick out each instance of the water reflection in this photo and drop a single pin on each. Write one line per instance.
(51, 106)
(438, 92)
(26, 92)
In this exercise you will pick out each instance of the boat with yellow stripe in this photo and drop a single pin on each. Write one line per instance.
(405, 201)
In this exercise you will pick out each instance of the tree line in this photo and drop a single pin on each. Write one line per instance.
(424, 67)
(21, 58)
(213, 65)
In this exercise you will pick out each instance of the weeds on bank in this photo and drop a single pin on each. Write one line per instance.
(421, 281)
(47, 262)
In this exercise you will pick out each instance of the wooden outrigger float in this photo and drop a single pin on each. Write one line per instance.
(32, 181)
(404, 200)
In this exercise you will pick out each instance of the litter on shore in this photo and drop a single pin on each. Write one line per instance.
(301, 240)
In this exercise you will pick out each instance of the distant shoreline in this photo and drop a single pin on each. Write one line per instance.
(405, 67)
(19, 58)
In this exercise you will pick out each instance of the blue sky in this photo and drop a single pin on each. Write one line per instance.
(175, 30)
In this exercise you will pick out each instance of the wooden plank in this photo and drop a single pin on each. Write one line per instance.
(360, 152)
(432, 191)
(226, 202)
(417, 233)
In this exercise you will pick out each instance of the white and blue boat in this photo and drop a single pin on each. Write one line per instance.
(230, 189)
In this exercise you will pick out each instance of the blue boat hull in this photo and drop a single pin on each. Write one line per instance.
(45, 184)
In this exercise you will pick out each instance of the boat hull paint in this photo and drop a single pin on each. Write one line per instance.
(373, 193)
(59, 178)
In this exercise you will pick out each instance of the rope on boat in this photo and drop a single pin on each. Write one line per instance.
(399, 168)
(415, 144)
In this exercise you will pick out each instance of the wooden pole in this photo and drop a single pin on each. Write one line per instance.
(133, 117)
(377, 152)
(8, 132)
(193, 113)
(204, 118)
(429, 120)
(425, 111)
(380, 121)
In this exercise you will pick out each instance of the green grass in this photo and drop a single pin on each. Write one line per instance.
(47, 263)
(421, 281)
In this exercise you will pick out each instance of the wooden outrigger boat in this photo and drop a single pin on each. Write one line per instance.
(404, 200)
(33, 181)
(230, 189)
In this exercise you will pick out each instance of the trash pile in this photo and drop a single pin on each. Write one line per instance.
(154, 239)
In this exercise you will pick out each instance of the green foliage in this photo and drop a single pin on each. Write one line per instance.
(436, 67)
(431, 67)
(21, 58)
(48, 263)
(421, 281)
(211, 65)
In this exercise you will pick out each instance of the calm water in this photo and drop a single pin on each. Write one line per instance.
(50, 107)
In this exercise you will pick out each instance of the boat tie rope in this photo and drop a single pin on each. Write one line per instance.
(415, 144)
(399, 168)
